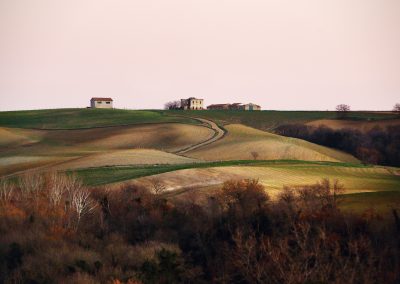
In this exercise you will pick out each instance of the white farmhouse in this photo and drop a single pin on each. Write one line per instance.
(101, 103)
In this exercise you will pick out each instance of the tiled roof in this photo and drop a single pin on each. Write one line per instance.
(102, 99)
(218, 105)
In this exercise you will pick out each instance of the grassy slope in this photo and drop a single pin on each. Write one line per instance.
(41, 147)
(107, 175)
(269, 120)
(125, 157)
(280, 172)
(164, 136)
(241, 140)
(86, 118)
(83, 118)
(384, 187)
(381, 202)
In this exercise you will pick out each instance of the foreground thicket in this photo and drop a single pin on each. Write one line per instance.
(377, 146)
(54, 230)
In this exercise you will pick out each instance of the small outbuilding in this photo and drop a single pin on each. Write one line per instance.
(219, 107)
(250, 106)
(101, 103)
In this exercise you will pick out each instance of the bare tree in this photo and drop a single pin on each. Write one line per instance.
(396, 108)
(57, 187)
(31, 184)
(82, 204)
(172, 105)
(72, 183)
(342, 107)
(158, 186)
(254, 154)
(342, 110)
(6, 191)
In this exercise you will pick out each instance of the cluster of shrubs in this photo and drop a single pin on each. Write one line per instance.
(377, 146)
(54, 230)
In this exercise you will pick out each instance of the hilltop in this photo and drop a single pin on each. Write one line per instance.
(84, 118)
(263, 120)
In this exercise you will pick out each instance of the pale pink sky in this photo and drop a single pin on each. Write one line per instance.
(297, 54)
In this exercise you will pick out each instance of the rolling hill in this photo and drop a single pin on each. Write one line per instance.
(240, 141)
(117, 146)
(37, 148)
(274, 177)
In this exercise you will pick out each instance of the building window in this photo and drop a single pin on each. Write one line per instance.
(108, 103)
(99, 102)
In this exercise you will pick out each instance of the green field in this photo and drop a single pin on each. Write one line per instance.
(107, 175)
(84, 118)
(382, 189)
(269, 120)
(285, 171)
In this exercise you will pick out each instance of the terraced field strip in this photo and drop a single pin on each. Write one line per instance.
(125, 158)
(274, 174)
(107, 175)
(354, 179)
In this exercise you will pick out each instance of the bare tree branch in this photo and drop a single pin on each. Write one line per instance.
(82, 203)
(6, 191)
(57, 187)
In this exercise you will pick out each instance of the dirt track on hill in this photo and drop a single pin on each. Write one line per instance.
(219, 133)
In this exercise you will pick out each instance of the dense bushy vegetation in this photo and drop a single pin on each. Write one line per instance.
(377, 146)
(53, 230)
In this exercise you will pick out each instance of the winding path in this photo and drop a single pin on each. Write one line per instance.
(218, 134)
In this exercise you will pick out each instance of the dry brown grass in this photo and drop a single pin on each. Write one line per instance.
(275, 177)
(12, 136)
(168, 136)
(15, 164)
(27, 149)
(241, 141)
(125, 157)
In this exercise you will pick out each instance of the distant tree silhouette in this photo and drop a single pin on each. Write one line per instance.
(396, 108)
(342, 110)
(172, 105)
